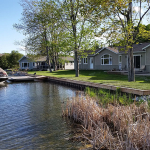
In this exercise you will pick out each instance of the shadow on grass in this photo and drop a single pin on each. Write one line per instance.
(101, 75)
(63, 72)
(91, 75)
(97, 75)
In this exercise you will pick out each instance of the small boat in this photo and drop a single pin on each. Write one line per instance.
(3, 79)
(3, 75)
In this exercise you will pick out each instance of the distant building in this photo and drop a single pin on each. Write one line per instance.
(40, 64)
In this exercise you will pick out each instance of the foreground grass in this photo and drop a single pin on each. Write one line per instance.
(112, 127)
(102, 77)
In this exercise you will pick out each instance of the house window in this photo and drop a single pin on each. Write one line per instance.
(85, 60)
(33, 64)
(120, 58)
(42, 63)
(25, 65)
(106, 59)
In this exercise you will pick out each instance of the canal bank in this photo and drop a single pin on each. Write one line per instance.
(82, 85)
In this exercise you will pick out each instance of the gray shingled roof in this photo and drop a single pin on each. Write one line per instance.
(43, 58)
(136, 47)
(120, 49)
(68, 58)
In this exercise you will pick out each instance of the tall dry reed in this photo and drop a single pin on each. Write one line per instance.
(114, 127)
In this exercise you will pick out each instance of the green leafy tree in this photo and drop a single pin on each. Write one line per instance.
(75, 18)
(45, 34)
(8, 61)
(4, 63)
(13, 59)
(144, 33)
(121, 19)
(143, 36)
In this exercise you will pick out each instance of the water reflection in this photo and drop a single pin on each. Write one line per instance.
(30, 116)
(3, 84)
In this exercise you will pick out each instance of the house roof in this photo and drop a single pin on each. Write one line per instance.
(43, 58)
(136, 48)
(113, 49)
(22, 58)
(68, 58)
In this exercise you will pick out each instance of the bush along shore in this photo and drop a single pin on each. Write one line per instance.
(111, 122)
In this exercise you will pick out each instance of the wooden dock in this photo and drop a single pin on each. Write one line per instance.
(25, 78)
(82, 85)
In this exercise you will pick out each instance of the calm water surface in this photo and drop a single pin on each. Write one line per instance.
(30, 117)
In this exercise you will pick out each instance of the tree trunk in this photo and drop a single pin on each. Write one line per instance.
(54, 63)
(59, 66)
(76, 64)
(48, 60)
(131, 74)
(47, 50)
(74, 28)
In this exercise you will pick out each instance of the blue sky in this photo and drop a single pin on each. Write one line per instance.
(10, 13)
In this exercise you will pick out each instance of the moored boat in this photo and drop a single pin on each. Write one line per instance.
(3, 75)
(3, 79)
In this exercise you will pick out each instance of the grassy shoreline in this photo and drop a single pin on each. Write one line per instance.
(96, 76)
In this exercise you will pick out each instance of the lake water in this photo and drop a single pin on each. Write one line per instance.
(30, 117)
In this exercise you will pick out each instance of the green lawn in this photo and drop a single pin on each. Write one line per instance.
(97, 76)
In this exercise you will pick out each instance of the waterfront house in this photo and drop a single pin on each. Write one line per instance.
(40, 64)
(115, 58)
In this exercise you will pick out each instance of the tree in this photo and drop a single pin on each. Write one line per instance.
(143, 36)
(10, 60)
(42, 25)
(144, 33)
(120, 22)
(76, 20)
(13, 59)
(4, 61)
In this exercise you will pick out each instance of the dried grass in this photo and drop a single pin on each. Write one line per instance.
(114, 127)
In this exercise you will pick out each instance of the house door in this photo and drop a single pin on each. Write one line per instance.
(136, 61)
(91, 62)
(120, 62)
